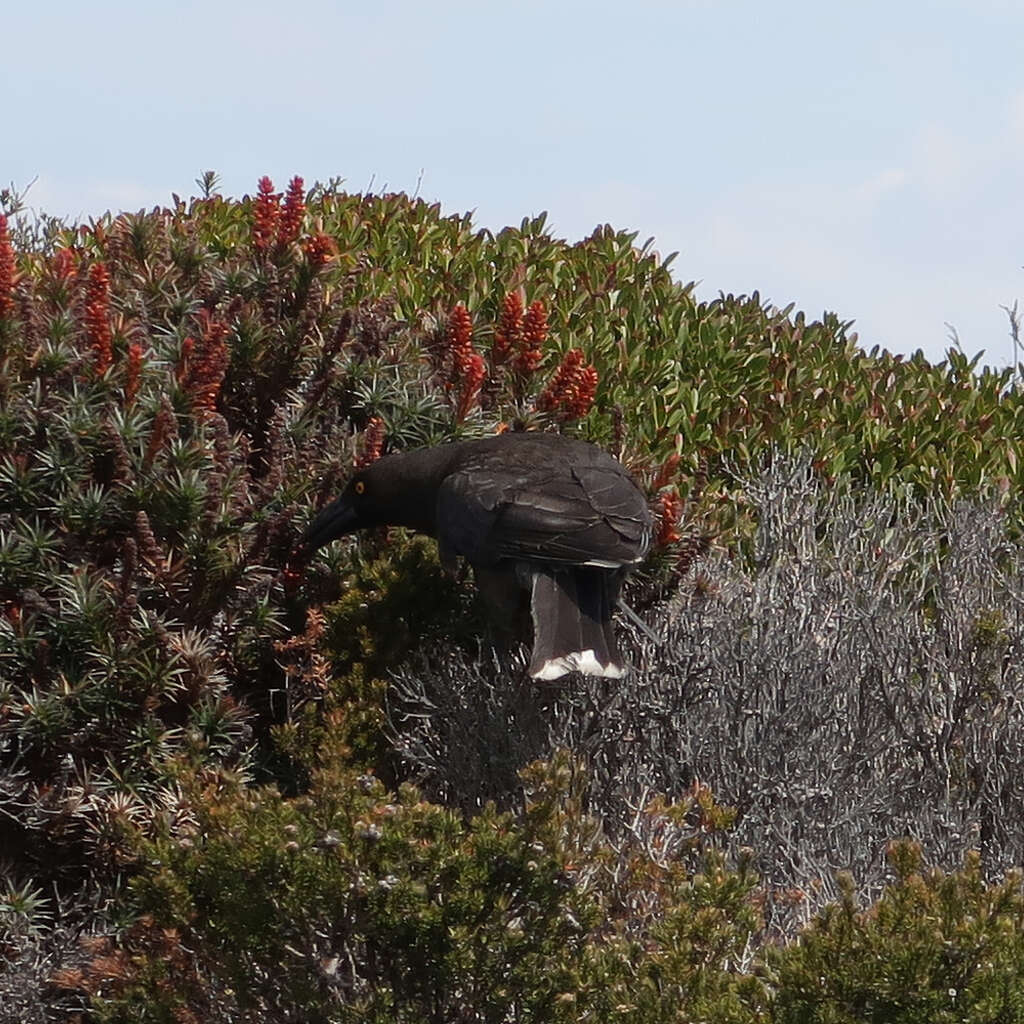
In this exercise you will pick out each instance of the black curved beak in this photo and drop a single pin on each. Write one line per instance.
(334, 520)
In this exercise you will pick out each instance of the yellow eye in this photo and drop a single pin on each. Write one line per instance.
(360, 487)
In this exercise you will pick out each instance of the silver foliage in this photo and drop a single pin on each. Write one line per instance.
(855, 679)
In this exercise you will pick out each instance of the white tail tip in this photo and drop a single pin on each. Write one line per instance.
(577, 661)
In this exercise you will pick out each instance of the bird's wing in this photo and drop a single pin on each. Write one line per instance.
(579, 515)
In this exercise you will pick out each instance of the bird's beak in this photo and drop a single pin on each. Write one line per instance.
(335, 520)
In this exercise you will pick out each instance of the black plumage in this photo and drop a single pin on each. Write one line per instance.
(539, 516)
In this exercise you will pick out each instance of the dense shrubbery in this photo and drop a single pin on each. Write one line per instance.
(207, 749)
(355, 904)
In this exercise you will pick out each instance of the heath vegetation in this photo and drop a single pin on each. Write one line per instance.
(237, 787)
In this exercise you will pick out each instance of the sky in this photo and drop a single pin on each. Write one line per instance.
(863, 158)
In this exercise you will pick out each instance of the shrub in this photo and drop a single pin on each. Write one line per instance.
(936, 947)
(353, 904)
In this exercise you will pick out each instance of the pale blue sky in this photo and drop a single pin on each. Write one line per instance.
(866, 158)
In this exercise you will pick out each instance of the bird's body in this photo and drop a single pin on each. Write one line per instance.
(538, 514)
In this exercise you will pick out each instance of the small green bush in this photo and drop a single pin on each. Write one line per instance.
(934, 947)
(353, 904)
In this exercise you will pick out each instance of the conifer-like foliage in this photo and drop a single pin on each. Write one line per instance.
(208, 748)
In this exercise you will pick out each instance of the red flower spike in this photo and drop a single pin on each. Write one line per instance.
(97, 318)
(6, 269)
(509, 333)
(63, 263)
(373, 440)
(461, 367)
(560, 388)
(570, 393)
(669, 511)
(291, 215)
(535, 332)
(458, 346)
(131, 384)
(586, 389)
(265, 214)
(319, 250)
(474, 370)
(206, 372)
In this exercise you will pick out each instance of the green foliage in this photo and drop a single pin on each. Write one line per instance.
(396, 579)
(935, 946)
(353, 904)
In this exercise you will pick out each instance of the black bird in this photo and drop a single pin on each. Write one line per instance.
(539, 516)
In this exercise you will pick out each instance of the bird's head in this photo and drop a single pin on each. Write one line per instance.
(397, 490)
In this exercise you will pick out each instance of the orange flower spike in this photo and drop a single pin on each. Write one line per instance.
(266, 211)
(458, 345)
(669, 511)
(63, 263)
(131, 384)
(509, 333)
(586, 389)
(559, 390)
(319, 250)
(206, 374)
(474, 370)
(291, 215)
(535, 332)
(97, 318)
(6, 269)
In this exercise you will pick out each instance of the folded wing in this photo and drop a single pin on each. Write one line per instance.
(573, 514)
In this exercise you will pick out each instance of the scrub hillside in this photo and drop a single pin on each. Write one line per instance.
(237, 785)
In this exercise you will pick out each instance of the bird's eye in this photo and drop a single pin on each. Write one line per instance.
(360, 487)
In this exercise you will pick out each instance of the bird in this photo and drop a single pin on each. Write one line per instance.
(546, 521)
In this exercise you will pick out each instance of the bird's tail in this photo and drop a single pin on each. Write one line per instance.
(572, 622)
